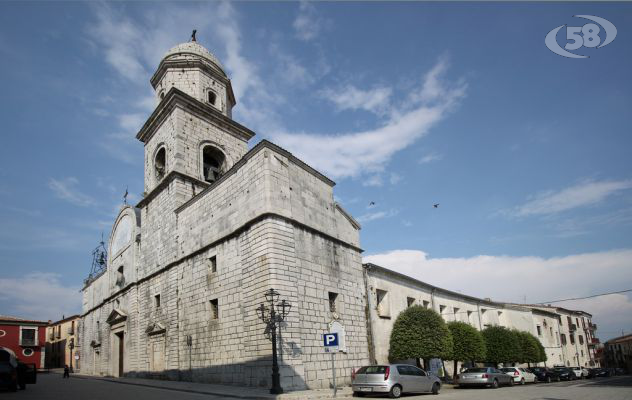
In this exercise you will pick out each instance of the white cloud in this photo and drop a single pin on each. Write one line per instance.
(39, 296)
(395, 178)
(374, 180)
(581, 195)
(506, 278)
(372, 216)
(349, 154)
(66, 189)
(430, 157)
(349, 97)
(307, 24)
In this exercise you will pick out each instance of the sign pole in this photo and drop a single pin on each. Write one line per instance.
(333, 370)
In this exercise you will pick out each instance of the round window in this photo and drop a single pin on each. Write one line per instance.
(2, 333)
(27, 352)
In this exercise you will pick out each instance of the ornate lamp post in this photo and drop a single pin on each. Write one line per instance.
(272, 315)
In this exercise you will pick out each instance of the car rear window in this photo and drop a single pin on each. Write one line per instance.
(508, 369)
(476, 370)
(373, 369)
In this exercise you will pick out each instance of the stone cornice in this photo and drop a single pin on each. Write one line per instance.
(175, 64)
(177, 98)
(261, 145)
(164, 183)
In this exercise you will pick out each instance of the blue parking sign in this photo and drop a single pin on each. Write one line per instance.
(330, 339)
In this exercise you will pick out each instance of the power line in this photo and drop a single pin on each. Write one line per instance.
(586, 297)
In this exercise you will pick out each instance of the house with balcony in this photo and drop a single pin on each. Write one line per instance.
(62, 343)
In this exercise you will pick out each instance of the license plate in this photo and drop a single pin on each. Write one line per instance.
(366, 389)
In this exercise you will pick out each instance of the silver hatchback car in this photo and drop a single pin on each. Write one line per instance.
(485, 376)
(393, 379)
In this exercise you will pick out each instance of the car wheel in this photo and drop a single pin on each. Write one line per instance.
(13, 387)
(435, 388)
(522, 381)
(395, 392)
(548, 379)
(358, 394)
(22, 386)
(495, 384)
(511, 382)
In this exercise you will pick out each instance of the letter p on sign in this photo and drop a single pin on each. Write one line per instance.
(330, 339)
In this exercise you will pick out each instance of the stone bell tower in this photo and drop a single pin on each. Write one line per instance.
(190, 139)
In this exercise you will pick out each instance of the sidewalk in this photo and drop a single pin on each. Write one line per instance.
(236, 392)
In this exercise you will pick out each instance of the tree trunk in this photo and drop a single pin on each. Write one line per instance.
(418, 362)
(455, 372)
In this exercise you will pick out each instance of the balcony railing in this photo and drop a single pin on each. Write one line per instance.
(592, 327)
(572, 327)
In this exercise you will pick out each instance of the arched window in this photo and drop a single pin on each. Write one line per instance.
(160, 164)
(212, 97)
(212, 161)
(162, 95)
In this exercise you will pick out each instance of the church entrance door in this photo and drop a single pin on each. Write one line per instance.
(121, 351)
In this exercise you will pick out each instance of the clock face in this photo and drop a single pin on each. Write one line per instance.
(122, 235)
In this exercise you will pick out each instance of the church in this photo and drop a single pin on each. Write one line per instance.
(218, 226)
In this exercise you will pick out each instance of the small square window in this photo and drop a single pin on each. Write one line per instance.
(214, 309)
(332, 301)
(212, 97)
(212, 264)
(410, 301)
(426, 303)
(383, 303)
(157, 300)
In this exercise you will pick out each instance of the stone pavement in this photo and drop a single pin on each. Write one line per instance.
(238, 392)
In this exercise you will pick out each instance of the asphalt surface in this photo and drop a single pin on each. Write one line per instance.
(53, 387)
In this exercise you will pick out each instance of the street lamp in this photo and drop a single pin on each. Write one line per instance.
(272, 315)
(71, 346)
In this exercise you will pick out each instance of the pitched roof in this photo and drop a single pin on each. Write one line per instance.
(10, 319)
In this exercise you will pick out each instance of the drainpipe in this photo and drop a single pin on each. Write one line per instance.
(480, 320)
(368, 316)
(432, 301)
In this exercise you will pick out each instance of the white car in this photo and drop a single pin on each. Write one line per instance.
(580, 372)
(520, 375)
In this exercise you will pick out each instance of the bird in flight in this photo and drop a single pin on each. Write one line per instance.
(436, 205)
(371, 203)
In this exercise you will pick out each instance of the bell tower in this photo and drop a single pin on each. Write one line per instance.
(191, 131)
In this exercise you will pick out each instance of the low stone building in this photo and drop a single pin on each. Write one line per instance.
(389, 293)
(25, 337)
(618, 353)
(61, 343)
(218, 226)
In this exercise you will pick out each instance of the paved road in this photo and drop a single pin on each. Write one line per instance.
(615, 388)
(53, 387)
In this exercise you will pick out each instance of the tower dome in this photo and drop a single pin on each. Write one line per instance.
(192, 69)
(190, 51)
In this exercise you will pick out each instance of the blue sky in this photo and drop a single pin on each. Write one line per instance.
(402, 104)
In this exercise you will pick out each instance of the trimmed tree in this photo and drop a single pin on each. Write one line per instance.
(419, 333)
(503, 345)
(468, 343)
(530, 349)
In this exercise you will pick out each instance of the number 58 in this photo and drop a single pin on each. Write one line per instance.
(588, 38)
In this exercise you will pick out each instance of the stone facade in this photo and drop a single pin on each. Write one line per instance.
(189, 265)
